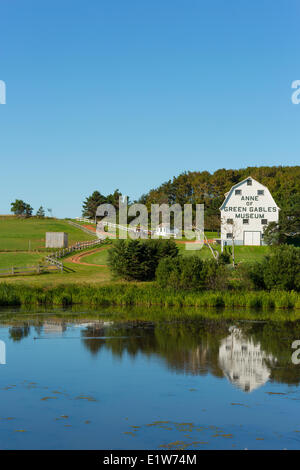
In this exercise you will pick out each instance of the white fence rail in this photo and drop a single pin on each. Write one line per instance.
(77, 247)
(85, 219)
(81, 227)
(127, 229)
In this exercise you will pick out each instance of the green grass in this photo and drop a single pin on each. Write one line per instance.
(75, 274)
(204, 253)
(250, 253)
(242, 253)
(19, 259)
(101, 257)
(18, 234)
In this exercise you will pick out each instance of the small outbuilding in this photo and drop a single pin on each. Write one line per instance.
(164, 230)
(56, 240)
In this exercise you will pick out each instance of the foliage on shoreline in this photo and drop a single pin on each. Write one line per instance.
(147, 295)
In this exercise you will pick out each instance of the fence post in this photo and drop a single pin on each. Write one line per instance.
(12, 270)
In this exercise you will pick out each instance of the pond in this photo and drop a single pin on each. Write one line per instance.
(97, 381)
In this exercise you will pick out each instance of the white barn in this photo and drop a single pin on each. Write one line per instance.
(248, 208)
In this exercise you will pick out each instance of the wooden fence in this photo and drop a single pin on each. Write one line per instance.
(35, 269)
(77, 247)
(85, 219)
(81, 227)
(50, 262)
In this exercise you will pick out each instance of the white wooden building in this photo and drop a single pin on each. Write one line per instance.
(248, 208)
(164, 230)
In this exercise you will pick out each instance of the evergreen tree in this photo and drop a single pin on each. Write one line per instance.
(91, 203)
(138, 259)
(40, 212)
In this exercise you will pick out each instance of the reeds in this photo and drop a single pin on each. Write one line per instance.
(128, 294)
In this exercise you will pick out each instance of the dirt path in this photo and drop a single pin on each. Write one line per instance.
(77, 258)
(92, 228)
(210, 240)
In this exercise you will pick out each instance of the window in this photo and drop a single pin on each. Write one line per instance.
(245, 221)
(260, 192)
(264, 221)
(228, 235)
(229, 221)
(238, 192)
(249, 182)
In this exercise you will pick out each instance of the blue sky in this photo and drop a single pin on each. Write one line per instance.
(106, 94)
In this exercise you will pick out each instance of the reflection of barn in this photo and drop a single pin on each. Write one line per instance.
(243, 362)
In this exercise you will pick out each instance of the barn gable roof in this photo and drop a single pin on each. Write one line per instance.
(229, 193)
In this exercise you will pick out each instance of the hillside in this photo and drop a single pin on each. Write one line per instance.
(18, 234)
(209, 189)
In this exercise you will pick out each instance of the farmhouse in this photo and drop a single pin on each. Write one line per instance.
(248, 208)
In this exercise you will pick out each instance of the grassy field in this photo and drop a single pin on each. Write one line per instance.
(242, 253)
(82, 274)
(75, 274)
(15, 235)
(101, 257)
(29, 234)
(19, 259)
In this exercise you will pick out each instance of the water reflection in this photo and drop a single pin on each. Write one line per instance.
(243, 362)
(248, 354)
(54, 328)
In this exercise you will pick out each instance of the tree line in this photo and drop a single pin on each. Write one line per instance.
(202, 187)
(22, 209)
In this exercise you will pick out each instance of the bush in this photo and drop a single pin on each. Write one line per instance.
(281, 270)
(255, 272)
(138, 259)
(225, 256)
(191, 273)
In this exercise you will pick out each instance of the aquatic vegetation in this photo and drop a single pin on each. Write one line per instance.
(143, 294)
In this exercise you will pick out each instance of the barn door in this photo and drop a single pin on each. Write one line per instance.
(252, 238)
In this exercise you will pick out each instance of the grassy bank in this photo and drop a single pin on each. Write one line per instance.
(17, 234)
(125, 294)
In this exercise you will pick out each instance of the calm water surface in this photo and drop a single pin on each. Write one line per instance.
(94, 383)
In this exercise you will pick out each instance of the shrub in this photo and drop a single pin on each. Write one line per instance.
(225, 256)
(281, 270)
(255, 273)
(138, 259)
(190, 273)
